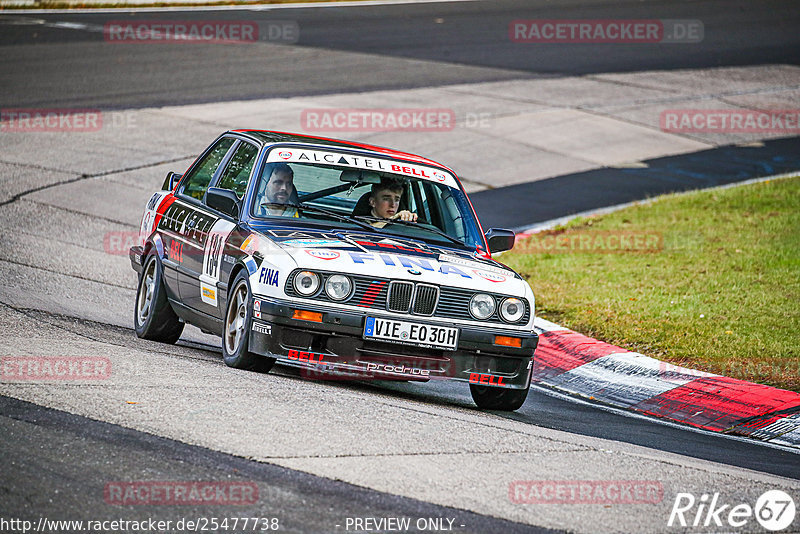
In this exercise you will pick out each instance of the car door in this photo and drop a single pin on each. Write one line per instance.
(188, 222)
(207, 231)
(235, 176)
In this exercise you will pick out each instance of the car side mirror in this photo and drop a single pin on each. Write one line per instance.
(500, 239)
(171, 181)
(223, 200)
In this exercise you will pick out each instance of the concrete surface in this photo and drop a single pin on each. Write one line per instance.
(57, 275)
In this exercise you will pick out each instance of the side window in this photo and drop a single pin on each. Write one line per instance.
(197, 182)
(418, 201)
(452, 217)
(238, 170)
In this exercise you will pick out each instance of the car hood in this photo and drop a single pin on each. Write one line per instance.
(393, 257)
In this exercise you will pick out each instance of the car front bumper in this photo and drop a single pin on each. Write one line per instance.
(335, 348)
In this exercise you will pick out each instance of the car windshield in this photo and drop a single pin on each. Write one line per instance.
(350, 197)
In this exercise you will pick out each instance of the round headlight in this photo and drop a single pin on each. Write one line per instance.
(306, 283)
(482, 306)
(338, 287)
(512, 310)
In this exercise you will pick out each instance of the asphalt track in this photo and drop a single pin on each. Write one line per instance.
(410, 45)
(543, 200)
(284, 493)
(53, 457)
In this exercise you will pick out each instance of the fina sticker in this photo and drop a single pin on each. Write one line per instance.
(323, 254)
(268, 277)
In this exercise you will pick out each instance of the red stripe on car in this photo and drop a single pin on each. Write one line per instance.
(371, 294)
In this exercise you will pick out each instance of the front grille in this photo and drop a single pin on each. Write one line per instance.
(399, 297)
(425, 299)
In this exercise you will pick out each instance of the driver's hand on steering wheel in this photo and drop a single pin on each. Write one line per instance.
(405, 215)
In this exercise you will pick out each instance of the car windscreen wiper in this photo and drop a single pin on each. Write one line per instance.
(323, 211)
(414, 225)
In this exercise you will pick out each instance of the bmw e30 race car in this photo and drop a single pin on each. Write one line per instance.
(271, 241)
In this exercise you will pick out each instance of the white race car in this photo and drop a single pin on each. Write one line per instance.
(347, 260)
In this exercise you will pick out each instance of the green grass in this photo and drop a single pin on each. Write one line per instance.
(723, 295)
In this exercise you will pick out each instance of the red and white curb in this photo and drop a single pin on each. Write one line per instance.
(579, 365)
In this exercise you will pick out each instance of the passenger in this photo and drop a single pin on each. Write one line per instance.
(279, 190)
(384, 200)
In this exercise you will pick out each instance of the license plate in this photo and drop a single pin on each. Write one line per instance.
(440, 337)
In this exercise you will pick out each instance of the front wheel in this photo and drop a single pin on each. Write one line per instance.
(153, 317)
(494, 398)
(236, 330)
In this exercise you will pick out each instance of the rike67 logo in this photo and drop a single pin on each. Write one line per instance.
(774, 511)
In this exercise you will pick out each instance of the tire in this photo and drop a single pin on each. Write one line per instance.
(153, 317)
(236, 328)
(494, 398)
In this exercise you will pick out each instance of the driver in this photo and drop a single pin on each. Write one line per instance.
(279, 190)
(384, 199)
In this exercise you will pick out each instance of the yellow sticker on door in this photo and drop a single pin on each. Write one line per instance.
(208, 294)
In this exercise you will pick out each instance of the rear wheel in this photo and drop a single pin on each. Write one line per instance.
(494, 398)
(153, 317)
(236, 329)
